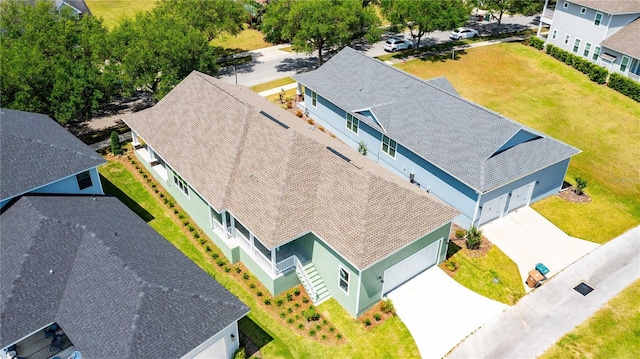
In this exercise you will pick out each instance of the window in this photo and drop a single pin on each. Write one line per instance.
(181, 183)
(598, 19)
(555, 32)
(389, 146)
(566, 39)
(84, 180)
(583, 10)
(587, 48)
(343, 281)
(624, 63)
(576, 45)
(352, 123)
(565, 5)
(314, 99)
(596, 53)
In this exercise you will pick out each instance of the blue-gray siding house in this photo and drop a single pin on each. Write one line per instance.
(481, 163)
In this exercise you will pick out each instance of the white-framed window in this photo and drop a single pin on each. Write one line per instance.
(566, 38)
(596, 53)
(576, 45)
(597, 19)
(182, 184)
(343, 279)
(587, 49)
(389, 146)
(84, 180)
(583, 10)
(314, 99)
(565, 5)
(624, 64)
(352, 123)
(555, 33)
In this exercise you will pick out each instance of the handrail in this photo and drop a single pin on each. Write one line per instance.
(285, 264)
(309, 287)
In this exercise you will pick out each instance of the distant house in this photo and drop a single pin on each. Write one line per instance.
(88, 275)
(290, 202)
(40, 156)
(77, 6)
(476, 160)
(605, 32)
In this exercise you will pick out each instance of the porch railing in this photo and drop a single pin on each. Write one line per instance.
(285, 264)
(302, 274)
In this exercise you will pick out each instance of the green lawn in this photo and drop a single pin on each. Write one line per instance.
(389, 340)
(612, 332)
(247, 40)
(532, 88)
(272, 84)
(112, 11)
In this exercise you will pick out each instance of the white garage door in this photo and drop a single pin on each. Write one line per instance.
(492, 209)
(521, 196)
(411, 266)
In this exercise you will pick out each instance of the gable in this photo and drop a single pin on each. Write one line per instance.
(519, 137)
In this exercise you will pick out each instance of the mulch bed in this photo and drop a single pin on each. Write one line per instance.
(485, 246)
(571, 196)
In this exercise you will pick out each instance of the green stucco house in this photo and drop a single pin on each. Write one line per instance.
(291, 202)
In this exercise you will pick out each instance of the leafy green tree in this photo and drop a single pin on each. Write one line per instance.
(156, 50)
(497, 8)
(52, 61)
(211, 17)
(114, 141)
(581, 184)
(316, 25)
(425, 16)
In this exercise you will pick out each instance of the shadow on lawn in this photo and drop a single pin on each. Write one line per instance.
(252, 337)
(452, 249)
(110, 189)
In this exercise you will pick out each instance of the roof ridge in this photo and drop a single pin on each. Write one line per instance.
(365, 216)
(283, 184)
(32, 140)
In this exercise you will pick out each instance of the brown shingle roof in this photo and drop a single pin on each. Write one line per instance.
(615, 7)
(282, 183)
(626, 40)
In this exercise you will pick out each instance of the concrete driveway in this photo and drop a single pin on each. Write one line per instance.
(439, 312)
(528, 238)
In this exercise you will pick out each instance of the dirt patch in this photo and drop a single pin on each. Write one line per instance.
(375, 316)
(570, 195)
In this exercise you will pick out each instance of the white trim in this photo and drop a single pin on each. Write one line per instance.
(583, 10)
(348, 281)
(395, 148)
(314, 98)
(596, 52)
(358, 291)
(595, 17)
(626, 66)
(175, 173)
(355, 122)
(565, 5)
(576, 42)
(567, 37)
(554, 34)
(587, 48)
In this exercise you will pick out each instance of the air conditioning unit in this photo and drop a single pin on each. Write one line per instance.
(306, 111)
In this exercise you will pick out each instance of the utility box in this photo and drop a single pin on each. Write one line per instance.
(534, 278)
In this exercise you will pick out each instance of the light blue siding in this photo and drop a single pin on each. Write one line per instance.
(69, 185)
(521, 136)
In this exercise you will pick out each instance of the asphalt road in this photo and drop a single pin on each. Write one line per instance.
(271, 63)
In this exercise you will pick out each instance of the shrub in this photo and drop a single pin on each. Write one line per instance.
(474, 238)
(324, 337)
(296, 292)
(245, 276)
(116, 147)
(367, 322)
(299, 113)
(267, 301)
(289, 104)
(239, 354)
(377, 317)
(175, 210)
(300, 326)
(279, 302)
(387, 306)
(227, 269)
(598, 74)
(312, 332)
(191, 228)
(171, 205)
(196, 235)
(362, 148)
(460, 233)
(252, 285)
(289, 320)
(290, 310)
(238, 270)
(332, 329)
(451, 265)
(310, 121)
(305, 300)
(283, 315)
(297, 305)
(311, 314)
(185, 222)
(220, 262)
(289, 297)
(202, 241)
(207, 248)
(339, 336)
(581, 184)
(318, 327)
(536, 43)
(165, 200)
(321, 128)
(549, 48)
(259, 293)
(181, 216)
(215, 255)
(625, 86)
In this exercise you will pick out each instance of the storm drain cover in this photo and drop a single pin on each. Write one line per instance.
(583, 288)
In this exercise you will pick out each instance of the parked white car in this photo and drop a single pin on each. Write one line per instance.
(463, 33)
(394, 44)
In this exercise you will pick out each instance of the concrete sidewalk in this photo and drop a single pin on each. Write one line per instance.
(538, 320)
(274, 91)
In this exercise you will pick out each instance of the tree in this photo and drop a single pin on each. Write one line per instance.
(474, 238)
(116, 147)
(52, 60)
(497, 8)
(581, 184)
(425, 16)
(316, 25)
(156, 50)
(211, 17)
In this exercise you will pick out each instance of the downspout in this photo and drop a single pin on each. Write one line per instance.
(607, 30)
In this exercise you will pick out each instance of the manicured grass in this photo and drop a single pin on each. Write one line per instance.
(612, 332)
(272, 84)
(387, 340)
(247, 40)
(532, 88)
(477, 274)
(112, 11)
(287, 49)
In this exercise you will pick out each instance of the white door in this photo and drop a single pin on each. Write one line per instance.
(492, 209)
(411, 266)
(521, 196)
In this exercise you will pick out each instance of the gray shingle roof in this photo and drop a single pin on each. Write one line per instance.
(35, 151)
(615, 7)
(460, 137)
(118, 289)
(626, 40)
(282, 183)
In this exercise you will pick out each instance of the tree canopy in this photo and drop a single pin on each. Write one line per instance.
(497, 8)
(425, 16)
(318, 25)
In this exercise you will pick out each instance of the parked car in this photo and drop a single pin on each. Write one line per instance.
(394, 44)
(463, 33)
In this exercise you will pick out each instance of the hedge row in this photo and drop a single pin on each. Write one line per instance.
(625, 86)
(597, 73)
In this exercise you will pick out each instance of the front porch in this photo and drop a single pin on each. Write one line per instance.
(45, 343)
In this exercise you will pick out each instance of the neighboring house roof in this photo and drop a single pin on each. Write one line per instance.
(460, 137)
(78, 5)
(614, 7)
(36, 151)
(626, 40)
(443, 84)
(284, 182)
(113, 284)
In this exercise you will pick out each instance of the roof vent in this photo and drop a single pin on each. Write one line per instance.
(273, 119)
(339, 154)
